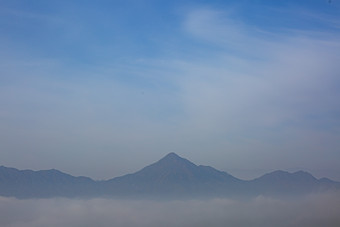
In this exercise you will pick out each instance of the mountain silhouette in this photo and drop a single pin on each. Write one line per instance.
(43, 183)
(281, 182)
(173, 168)
(172, 176)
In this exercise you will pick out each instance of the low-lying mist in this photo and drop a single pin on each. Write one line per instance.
(314, 210)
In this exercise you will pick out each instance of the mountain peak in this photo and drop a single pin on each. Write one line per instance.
(171, 155)
(174, 161)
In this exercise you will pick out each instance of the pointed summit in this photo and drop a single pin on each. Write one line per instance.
(171, 155)
(170, 164)
(174, 159)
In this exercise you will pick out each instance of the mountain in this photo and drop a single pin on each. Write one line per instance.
(171, 176)
(43, 183)
(285, 183)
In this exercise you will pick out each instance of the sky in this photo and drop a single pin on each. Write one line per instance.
(104, 88)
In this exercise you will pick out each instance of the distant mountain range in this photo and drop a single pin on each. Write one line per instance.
(170, 177)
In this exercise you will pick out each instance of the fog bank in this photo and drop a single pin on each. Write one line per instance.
(317, 210)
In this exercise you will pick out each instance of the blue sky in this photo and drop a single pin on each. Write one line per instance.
(104, 88)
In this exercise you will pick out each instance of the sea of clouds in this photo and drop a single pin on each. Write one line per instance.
(314, 210)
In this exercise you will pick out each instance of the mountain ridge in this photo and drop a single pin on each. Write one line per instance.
(171, 176)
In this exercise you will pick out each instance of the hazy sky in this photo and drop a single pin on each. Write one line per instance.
(103, 88)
